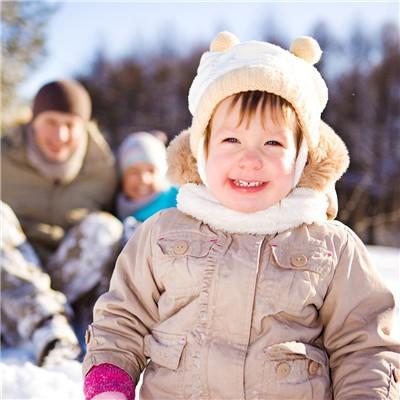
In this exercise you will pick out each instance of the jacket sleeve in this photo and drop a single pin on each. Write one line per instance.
(110, 180)
(104, 182)
(128, 311)
(358, 314)
(100, 169)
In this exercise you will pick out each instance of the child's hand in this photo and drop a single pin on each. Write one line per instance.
(110, 396)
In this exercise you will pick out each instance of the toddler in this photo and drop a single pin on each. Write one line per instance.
(145, 188)
(249, 289)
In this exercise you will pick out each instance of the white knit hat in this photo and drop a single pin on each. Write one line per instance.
(232, 67)
(142, 147)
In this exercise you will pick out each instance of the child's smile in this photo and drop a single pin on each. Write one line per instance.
(248, 186)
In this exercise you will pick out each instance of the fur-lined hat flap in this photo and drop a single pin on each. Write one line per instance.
(326, 163)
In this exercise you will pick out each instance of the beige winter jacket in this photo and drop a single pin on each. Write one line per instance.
(294, 312)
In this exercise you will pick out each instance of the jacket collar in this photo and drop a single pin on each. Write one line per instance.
(301, 206)
(64, 172)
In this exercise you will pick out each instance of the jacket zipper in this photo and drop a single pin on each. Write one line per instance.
(258, 258)
(54, 189)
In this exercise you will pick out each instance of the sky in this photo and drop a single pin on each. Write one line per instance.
(79, 29)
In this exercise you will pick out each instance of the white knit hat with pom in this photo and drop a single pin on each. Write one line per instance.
(142, 147)
(231, 67)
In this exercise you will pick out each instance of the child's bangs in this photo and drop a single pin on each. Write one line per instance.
(282, 112)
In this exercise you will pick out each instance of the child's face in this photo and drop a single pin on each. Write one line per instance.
(249, 168)
(141, 180)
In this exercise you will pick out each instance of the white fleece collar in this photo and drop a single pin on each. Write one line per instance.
(300, 206)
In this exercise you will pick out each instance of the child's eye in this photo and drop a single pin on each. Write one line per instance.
(230, 140)
(51, 122)
(273, 143)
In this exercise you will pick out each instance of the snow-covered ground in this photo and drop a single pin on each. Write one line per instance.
(22, 380)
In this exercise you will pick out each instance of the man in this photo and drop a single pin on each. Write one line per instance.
(58, 174)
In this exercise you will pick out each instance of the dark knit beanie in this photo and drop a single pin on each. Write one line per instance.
(65, 96)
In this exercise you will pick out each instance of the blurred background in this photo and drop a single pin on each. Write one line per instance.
(137, 61)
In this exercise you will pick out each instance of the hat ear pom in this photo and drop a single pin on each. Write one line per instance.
(306, 48)
(224, 41)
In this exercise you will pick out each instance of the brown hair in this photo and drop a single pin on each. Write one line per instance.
(280, 108)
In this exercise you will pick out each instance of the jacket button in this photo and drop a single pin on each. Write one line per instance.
(386, 330)
(313, 367)
(180, 247)
(298, 260)
(396, 374)
(282, 370)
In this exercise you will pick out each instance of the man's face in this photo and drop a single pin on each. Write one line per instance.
(57, 134)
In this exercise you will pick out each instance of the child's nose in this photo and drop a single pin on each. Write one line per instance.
(147, 178)
(251, 159)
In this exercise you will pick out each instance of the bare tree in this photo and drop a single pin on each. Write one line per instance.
(22, 47)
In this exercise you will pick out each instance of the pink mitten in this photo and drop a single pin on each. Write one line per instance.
(108, 378)
(109, 396)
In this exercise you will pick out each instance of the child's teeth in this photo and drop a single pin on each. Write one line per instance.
(241, 183)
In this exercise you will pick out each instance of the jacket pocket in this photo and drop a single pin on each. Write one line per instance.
(164, 376)
(164, 349)
(315, 259)
(296, 371)
(182, 261)
(300, 275)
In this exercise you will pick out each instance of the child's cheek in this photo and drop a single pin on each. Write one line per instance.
(129, 184)
(159, 182)
(285, 161)
(210, 167)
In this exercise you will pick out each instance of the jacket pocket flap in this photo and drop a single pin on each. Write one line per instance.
(296, 350)
(190, 245)
(314, 259)
(164, 349)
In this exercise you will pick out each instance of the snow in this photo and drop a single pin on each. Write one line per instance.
(22, 380)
